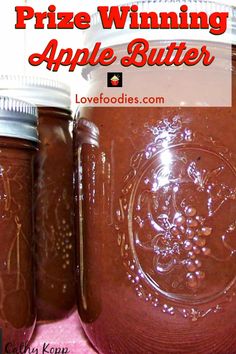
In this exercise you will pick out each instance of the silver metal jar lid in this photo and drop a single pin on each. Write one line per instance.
(38, 91)
(117, 37)
(18, 119)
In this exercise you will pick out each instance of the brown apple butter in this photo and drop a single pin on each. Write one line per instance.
(55, 216)
(18, 144)
(54, 210)
(157, 210)
(157, 259)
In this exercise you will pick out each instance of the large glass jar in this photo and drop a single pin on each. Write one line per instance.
(54, 209)
(18, 144)
(157, 243)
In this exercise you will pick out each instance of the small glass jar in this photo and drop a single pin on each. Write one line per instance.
(156, 205)
(54, 210)
(18, 145)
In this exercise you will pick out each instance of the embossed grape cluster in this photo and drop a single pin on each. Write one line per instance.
(191, 233)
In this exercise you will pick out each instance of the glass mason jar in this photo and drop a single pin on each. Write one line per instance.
(156, 214)
(18, 145)
(54, 210)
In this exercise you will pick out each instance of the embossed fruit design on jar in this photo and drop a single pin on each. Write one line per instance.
(18, 145)
(54, 210)
(156, 205)
(169, 216)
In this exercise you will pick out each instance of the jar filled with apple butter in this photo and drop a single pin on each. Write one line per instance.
(54, 210)
(156, 206)
(18, 146)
